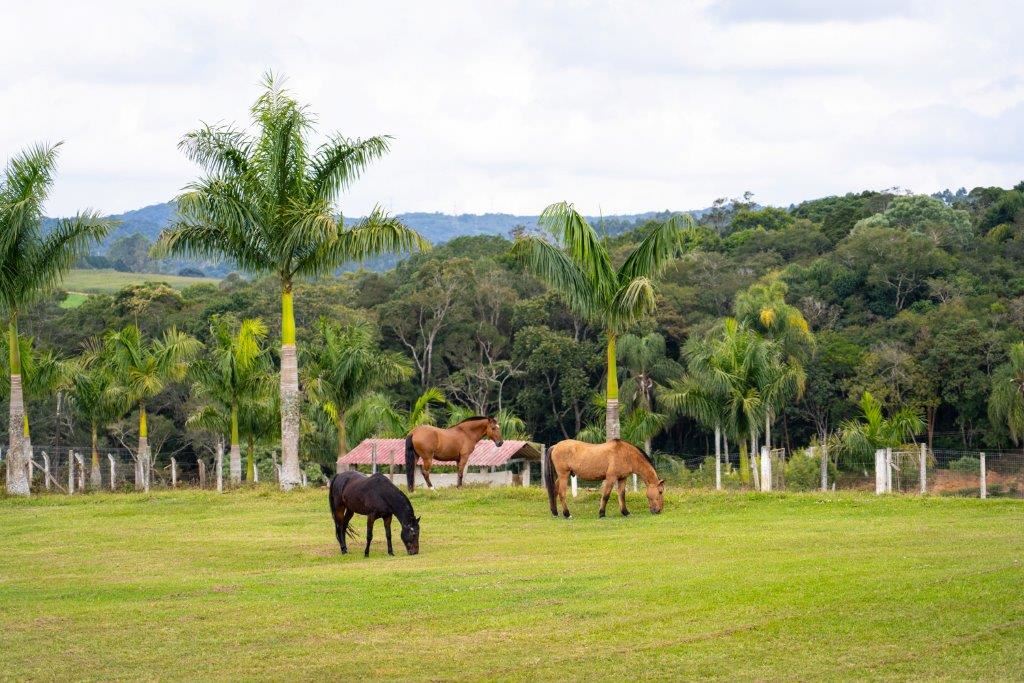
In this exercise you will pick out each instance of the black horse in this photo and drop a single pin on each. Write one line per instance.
(375, 496)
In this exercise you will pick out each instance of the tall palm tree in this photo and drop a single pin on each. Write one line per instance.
(1006, 402)
(268, 203)
(377, 415)
(859, 438)
(32, 262)
(345, 365)
(234, 373)
(763, 308)
(94, 398)
(578, 266)
(647, 368)
(143, 369)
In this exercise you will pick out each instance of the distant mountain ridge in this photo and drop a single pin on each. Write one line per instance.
(436, 227)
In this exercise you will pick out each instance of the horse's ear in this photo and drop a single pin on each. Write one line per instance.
(418, 519)
(661, 482)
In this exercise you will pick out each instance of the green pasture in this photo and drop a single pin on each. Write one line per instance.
(80, 282)
(249, 585)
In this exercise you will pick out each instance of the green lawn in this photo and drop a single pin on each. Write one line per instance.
(249, 585)
(106, 280)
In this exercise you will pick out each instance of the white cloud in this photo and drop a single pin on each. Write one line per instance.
(619, 107)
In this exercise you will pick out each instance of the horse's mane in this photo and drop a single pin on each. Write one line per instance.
(473, 419)
(650, 461)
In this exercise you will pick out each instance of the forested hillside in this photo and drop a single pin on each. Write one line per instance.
(916, 299)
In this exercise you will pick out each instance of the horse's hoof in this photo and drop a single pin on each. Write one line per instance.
(391, 553)
(366, 554)
(566, 514)
(344, 552)
(625, 513)
(601, 513)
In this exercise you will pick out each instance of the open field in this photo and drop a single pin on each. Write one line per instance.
(249, 584)
(105, 280)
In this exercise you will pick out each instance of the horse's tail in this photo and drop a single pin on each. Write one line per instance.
(410, 463)
(549, 480)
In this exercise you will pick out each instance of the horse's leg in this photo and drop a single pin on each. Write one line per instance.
(606, 492)
(462, 468)
(344, 531)
(425, 469)
(370, 519)
(387, 533)
(339, 528)
(563, 480)
(622, 497)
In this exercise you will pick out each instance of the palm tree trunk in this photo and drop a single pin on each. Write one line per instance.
(250, 461)
(17, 474)
(290, 473)
(342, 440)
(744, 462)
(235, 467)
(142, 459)
(768, 430)
(95, 477)
(611, 420)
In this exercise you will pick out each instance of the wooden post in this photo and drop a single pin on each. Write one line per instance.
(526, 473)
(984, 476)
(574, 490)
(718, 458)
(924, 469)
(543, 465)
(71, 473)
(766, 469)
(202, 473)
(304, 480)
(373, 458)
(81, 471)
(46, 470)
(113, 471)
(174, 473)
(879, 471)
(219, 466)
(391, 468)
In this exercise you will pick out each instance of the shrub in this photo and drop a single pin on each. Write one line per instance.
(968, 464)
(803, 472)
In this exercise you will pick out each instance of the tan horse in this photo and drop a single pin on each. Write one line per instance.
(454, 444)
(612, 461)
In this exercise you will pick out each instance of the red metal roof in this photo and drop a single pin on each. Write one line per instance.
(486, 454)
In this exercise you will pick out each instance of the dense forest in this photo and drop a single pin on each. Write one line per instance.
(915, 299)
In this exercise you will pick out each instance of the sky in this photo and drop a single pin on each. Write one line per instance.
(619, 107)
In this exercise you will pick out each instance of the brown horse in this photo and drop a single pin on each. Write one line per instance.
(612, 461)
(447, 445)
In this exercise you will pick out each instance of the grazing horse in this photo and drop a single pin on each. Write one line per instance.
(374, 496)
(612, 461)
(447, 445)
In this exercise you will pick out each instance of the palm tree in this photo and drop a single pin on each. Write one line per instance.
(639, 426)
(763, 308)
(1006, 402)
(95, 399)
(858, 439)
(512, 426)
(346, 365)
(143, 369)
(267, 202)
(376, 415)
(578, 266)
(234, 374)
(647, 368)
(32, 262)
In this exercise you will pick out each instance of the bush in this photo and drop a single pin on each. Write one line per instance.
(803, 472)
(968, 464)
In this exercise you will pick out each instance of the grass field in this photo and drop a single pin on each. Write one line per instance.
(249, 585)
(106, 281)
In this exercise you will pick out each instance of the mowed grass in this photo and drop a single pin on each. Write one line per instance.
(249, 585)
(107, 280)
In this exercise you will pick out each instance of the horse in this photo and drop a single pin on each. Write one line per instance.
(612, 461)
(447, 445)
(374, 496)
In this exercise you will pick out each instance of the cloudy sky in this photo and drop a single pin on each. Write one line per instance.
(619, 107)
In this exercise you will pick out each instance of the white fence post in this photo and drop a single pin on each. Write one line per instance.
(718, 458)
(305, 481)
(574, 489)
(880, 471)
(219, 466)
(888, 470)
(766, 469)
(543, 465)
(113, 471)
(81, 471)
(46, 470)
(71, 473)
(174, 473)
(824, 467)
(255, 474)
(923, 465)
(373, 458)
(984, 476)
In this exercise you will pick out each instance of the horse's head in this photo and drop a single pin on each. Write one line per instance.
(494, 431)
(656, 496)
(411, 536)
